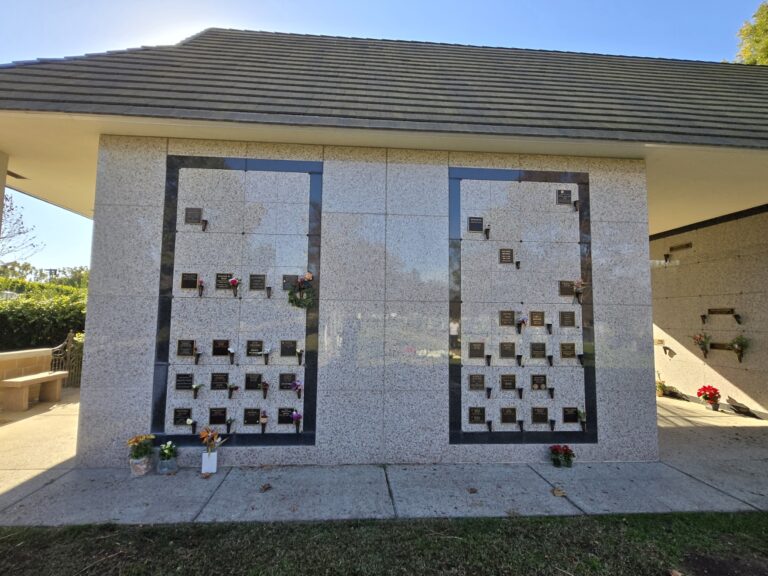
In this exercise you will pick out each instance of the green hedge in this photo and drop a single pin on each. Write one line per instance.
(35, 321)
(36, 288)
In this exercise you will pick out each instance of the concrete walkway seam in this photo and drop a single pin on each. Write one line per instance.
(579, 508)
(668, 465)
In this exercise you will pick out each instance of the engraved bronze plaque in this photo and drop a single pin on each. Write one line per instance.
(506, 256)
(538, 350)
(507, 350)
(563, 197)
(289, 280)
(726, 311)
(476, 382)
(222, 281)
(220, 348)
(181, 415)
(217, 416)
(537, 318)
(185, 348)
(567, 350)
(508, 415)
(254, 347)
(720, 346)
(257, 282)
(570, 415)
(193, 215)
(184, 381)
(251, 416)
(508, 382)
(252, 381)
(287, 380)
(287, 347)
(476, 350)
(475, 224)
(284, 415)
(566, 288)
(678, 247)
(477, 415)
(538, 381)
(506, 318)
(219, 381)
(539, 415)
(568, 319)
(188, 280)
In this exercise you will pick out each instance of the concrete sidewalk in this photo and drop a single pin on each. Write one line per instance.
(730, 477)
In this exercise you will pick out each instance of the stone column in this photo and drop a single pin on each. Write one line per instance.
(3, 168)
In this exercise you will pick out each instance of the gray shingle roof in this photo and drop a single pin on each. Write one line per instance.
(264, 77)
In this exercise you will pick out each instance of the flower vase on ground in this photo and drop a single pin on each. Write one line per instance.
(166, 463)
(141, 454)
(211, 440)
(711, 396)
(210, 463)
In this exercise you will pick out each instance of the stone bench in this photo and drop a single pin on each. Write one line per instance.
(16, 390)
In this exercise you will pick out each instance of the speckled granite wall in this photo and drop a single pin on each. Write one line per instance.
(726, 266)
(382, 390)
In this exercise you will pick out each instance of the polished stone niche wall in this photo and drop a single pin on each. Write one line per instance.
(226, 351)
(522, 366)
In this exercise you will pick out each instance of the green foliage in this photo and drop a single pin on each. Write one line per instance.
(37, 289)
(40, 320)
(753, 47)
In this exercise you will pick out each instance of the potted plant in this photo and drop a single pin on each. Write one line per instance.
(661, 388)
(296, 417)
(710, 395)
(166, 463)
(740, 345)
(555, 451)
(302, 294)
(141, 454)
(195, 389)
(211, 440)
(234, 284)
(702, 340)
(297, 387)
(567, 456)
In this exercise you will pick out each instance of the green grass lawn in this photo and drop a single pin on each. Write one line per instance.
(615, 545)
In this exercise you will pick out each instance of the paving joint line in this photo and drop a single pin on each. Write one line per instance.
(48, 483)
(391, 493)
(213, 493)
(668, 465)
(579, 508)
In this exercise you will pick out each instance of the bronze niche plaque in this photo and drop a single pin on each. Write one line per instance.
(537, 318)
(509, 415)
(185, 348)
(539, 415)
(217, 416)
(287, 380)
(570, 415)
(506, 318)
(181, 415)
(477, 415)
(538, 381)
(193, 215)
(476, 382)
(219, 381)
(287, 347)
(257, 282)
(251, 416)
(678, 247)
(506, 256)
(563, 197)
(289, 280)
(254, 347)
(222, 281)
(726, 311)
(475, 224)
(538, 350)
(220, 348)
(184, 381)
(566, 288)
(252, 381)
(568, 319)
(476, 350)
(508, 382)
(284, 415)
(507, 350)
(188, 280)
(567, 350)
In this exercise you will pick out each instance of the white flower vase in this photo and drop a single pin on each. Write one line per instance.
(210, 462)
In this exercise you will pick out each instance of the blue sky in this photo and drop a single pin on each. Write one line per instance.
(698, 30)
